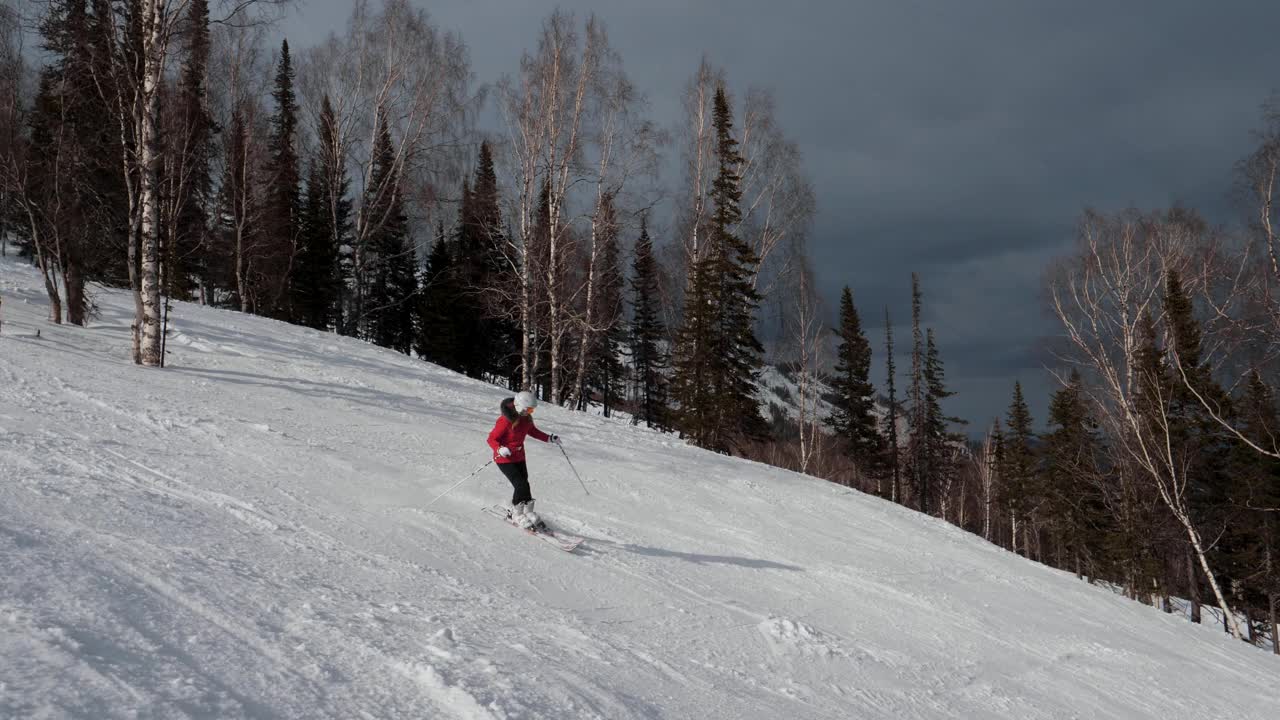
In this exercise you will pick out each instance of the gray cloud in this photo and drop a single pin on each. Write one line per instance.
(956, 139)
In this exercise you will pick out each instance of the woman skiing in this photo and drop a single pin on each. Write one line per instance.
(507, 441)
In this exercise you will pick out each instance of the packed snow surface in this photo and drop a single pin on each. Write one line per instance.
(246, 534)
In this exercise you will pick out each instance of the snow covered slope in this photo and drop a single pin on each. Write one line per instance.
(243, 534)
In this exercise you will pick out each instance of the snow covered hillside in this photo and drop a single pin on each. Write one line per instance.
(779, 395)
(777, 389)
(243, 534)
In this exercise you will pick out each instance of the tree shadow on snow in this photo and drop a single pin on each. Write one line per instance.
(367, 397)
(695, 558)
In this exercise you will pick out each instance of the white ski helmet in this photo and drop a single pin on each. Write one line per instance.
(525, 401)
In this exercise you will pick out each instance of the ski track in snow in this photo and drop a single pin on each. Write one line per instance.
(243, 534)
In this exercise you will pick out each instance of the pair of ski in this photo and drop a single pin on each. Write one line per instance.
(567, 543)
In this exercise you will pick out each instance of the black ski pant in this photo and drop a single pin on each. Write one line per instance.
(518, 474)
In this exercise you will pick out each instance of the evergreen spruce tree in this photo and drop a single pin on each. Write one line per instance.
(194, 149)
(437, 339)
(1203, 445)
(331, 226)
(1251, 545)
(1151, 377)
(717, 356)
(997, 509)
(930, 451)
(917, 408)
(310, 226)
(538, 256)
(1190, 378)
(239, 222)
(64, 158)
(1073, 506)
(604, 372)
(1186, 367)
(695, 415)
(499, 346)
(317, 275)
(648, 360)
(42, 179)
(892, 460)
(467, 278)
(1136, 547)
(1019, 492)
(852, 416)
(483, 277)
(939, 442)
(390, 304)
(105, 261)
(283, 192)
(736, 335)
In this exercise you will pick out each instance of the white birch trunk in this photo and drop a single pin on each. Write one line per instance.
(49, 274)
(986, 473)
(809, 339)
(153, 51)
(588, 331)
(1101, 299)
(528, 350)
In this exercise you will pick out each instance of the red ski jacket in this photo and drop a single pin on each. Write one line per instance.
(510, 431)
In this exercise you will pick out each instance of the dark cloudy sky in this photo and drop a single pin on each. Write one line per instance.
(956, 138)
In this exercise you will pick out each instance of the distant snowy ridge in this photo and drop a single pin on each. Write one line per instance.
(778, 392)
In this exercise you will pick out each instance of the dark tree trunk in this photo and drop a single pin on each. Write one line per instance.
(1193, 588)
(73, 278)
(1275, 626)
(50, 286)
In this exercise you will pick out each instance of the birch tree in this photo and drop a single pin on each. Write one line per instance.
(57, 185)
(809, 338)
(1104, 296)
(390, 60)
(241, 69)
(778, 202)
(158, 24)
(622, 148)
(696, 136)
(1241, 286)
(43, 181)
(1259, 179)
(187, 158)
(137, 46)
(546, 110)
(988, 466)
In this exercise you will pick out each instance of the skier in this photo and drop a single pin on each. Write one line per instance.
(507, 441)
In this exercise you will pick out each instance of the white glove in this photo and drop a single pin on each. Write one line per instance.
(555, 438)
(504, 451)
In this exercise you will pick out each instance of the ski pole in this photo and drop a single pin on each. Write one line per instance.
(574, 469)
(446, 492)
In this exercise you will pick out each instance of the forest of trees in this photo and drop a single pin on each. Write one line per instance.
(171, 148)
(184, 151)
